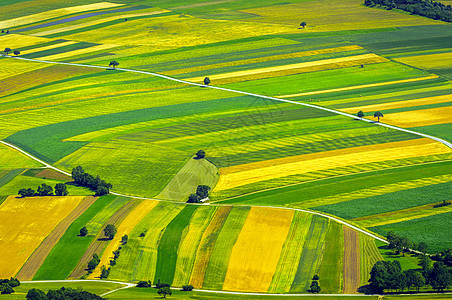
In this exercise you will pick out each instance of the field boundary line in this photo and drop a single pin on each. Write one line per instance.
(448, 144)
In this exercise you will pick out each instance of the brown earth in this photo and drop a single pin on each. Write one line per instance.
(52, 174)
(35, 261)
(100, 242)
(352, 276)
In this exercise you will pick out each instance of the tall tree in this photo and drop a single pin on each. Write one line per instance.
(360, 114)
(61, 189)
(113, 64)
(16, 52)
(164, 291)
(378, 115)
(110, 231)
(7, 50)
(207, 81)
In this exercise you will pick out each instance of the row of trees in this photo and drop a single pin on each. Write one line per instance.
(377, 114)
(45, 190)
(7, 285)
(386, 275)
(8, 50)
(63, 293)
(426, 8)
(100, 186)
(7, 31)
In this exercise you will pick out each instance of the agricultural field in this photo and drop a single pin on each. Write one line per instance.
(277, 124)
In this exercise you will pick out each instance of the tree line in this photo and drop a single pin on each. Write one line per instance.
(426, 8)
(7, 285)
(63, 293)
(100, 186)
(45, 190)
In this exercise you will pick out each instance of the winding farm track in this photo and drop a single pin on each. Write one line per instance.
(129, 285)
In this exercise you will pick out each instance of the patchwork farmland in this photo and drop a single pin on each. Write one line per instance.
(297, 187)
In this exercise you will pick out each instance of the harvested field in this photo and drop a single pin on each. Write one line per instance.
(52, 174)
(126, 226)
(25, 224)
(352, 275)
(206, 245)
(270, 169)
(100, 242)
(369, 255)
(423, 117)
(256, 253)
(39, 255)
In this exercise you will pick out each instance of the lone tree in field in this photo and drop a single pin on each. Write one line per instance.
(7, 50)
(303, 24)
(110, 231)
(360, 114)
(207, 81)
(16, 52)
(378, 115)
(83, 231)
(61, 189)
(200, 154)
(164, 291)
(113, 64)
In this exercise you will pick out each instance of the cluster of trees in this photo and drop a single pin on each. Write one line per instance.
(164, 289)
(7, 285)
(387, 275)
(63, 293)
(315, 287)
(8, 50)
(93, 263)
(104, 272)
(202, 192)
(401, 244)
(110, 231)
(45, 190)
(377, 114)
(200, 154)
(7, 31)
(426, 8)
(100, 186)
(115, 256)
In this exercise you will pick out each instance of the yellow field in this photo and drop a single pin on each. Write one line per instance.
(12, 159)
(126, 226)
(95, 22)
(350, 14)
(401, 215)
(415, 118)
(25, 224)
(14, 41)
(398, 104)
(429, 61)
(55, 14)
(289, 67)
(47, 47)
(256, 253)
(159, 32)
(77, 52)
(259, 171)
(360, 86)
(263, 59)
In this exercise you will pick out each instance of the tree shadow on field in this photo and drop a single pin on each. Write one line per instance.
(104, 239)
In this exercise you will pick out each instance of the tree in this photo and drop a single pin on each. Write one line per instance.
(104, 272)
(203, 191)
(425, 263)
(7, 50)
(422, 247)
(164, 291)
(45, 190)
(194, 198)
(77, 174)
(110, 231)
(303, 24)
(378, 115)
(124, 239)
(102, 190)
(315, 288)
(61, 189)
(187, 288)
(440, 276)
(315, 277)
(35, 294)
(16, 52)
(200, 154)
(83, 231)
(92, 264)
(113, 63)
(26, 192)
(207, 81)
(360, 114)
(143, 284)
(418, 280)
(6, 289)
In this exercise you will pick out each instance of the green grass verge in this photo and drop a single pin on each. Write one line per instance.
(169, 243)
(70, 248)
(219, 259)
(407, 262)
(431, 230)
(389, 202)
(89, 286)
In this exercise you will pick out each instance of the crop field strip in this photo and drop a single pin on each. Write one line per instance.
(99, 244)
(352, 272)
(34, 262)
(369, 255)
(20, 217)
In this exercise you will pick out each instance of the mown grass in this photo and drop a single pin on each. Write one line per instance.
(219, 260)
(389, 202)
(430, 230)
(369, 255)
(89, 286)
(441, 130)
(407, 262)
(331, 268)
(70, 248)
(12, 159)
(169, 244)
